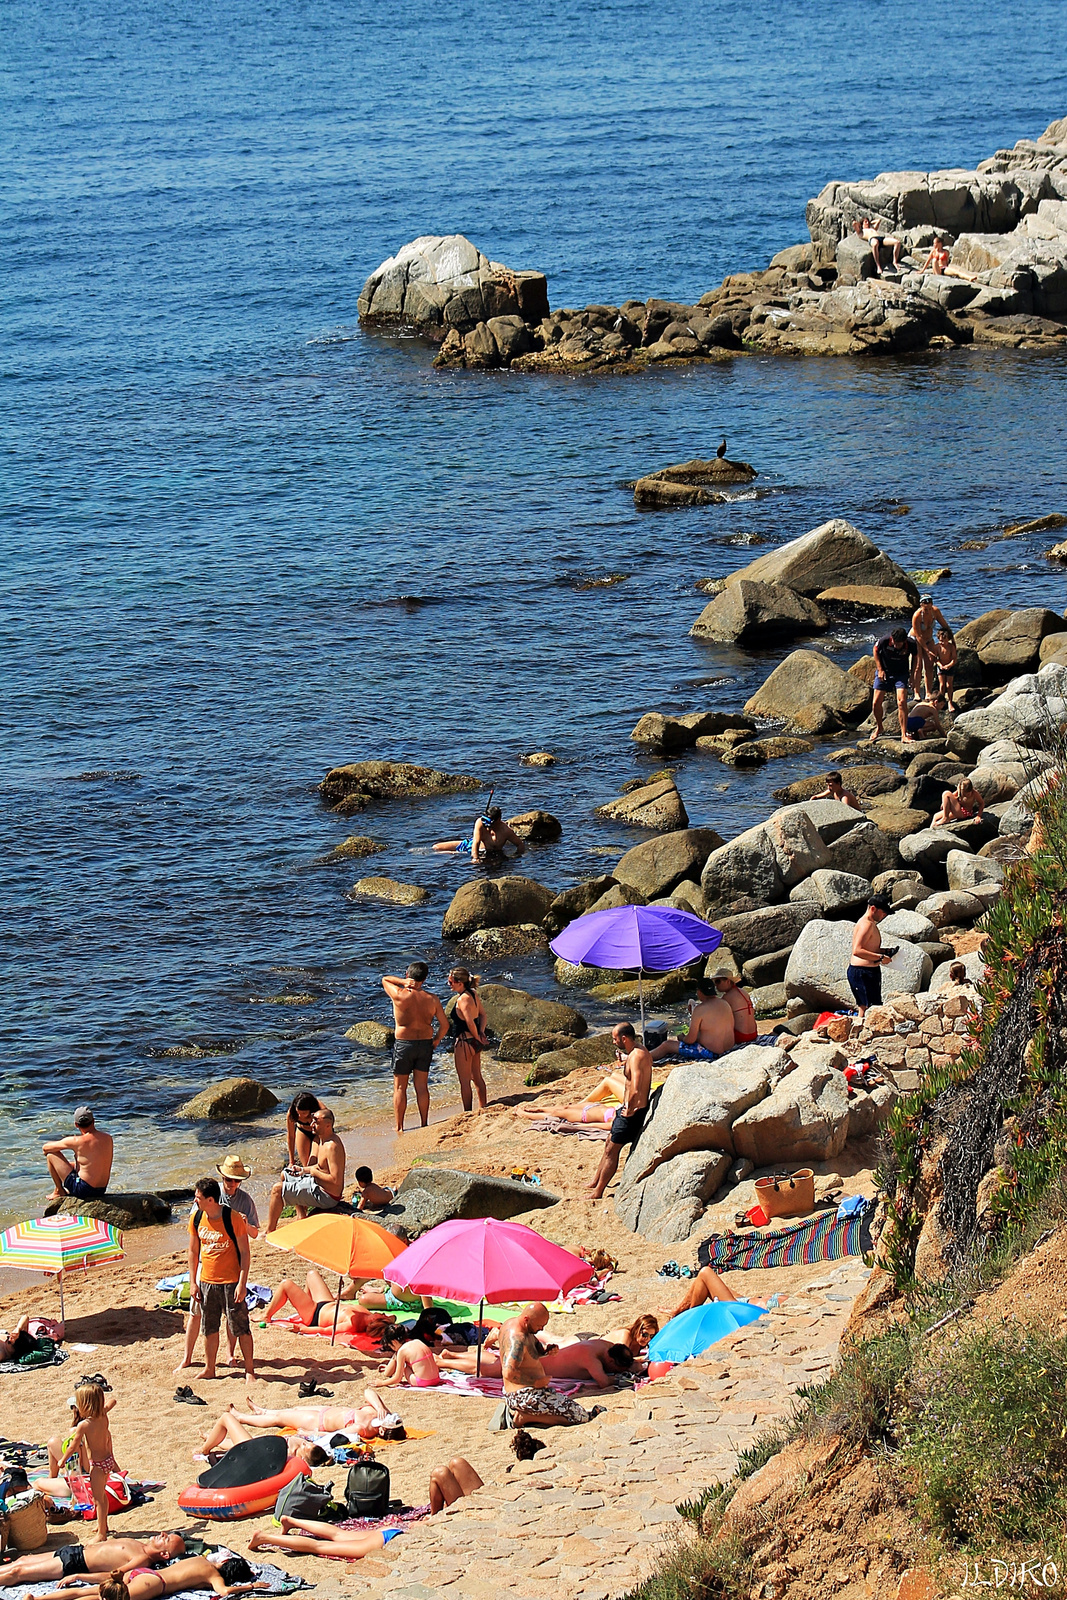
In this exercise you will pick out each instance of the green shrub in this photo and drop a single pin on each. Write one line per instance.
(860, 1399)
(985, 1435)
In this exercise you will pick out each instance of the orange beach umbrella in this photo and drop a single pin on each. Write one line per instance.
(352, 1246)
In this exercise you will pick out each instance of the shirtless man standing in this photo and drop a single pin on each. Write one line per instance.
(745, 1030)
(711, 1029)
(420, 1022)
(321, 1184)
(630, 1118)
(922, 631)
(88, 1175)
(864, 971)
(528, 1399)
(835, 790)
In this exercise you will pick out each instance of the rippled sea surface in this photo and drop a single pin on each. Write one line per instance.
(243, 542)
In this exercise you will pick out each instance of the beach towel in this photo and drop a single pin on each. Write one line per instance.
(467, 1383)
(549, 1124)
(275, 1579)
(825, 1238)
(13, 1366)
(395, 1519)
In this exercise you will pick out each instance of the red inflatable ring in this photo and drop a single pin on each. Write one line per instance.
(245, 1500)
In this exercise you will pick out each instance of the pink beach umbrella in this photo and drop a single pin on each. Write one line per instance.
(486, 1260)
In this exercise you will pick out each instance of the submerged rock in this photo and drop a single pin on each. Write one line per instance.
(691, 483)
(233, 1097)
(372, 1035)
(398, 894)
(353, 787)
(354, 847)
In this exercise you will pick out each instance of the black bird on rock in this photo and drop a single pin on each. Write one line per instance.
(721, 451)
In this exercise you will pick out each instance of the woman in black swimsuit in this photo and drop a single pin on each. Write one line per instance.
(466, 1028)
(299, 1133)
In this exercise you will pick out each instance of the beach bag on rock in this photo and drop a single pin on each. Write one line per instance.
(787, 1197)
(303, 1498)
(367, 1489)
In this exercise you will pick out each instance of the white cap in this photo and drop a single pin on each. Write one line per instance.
(390, 1420)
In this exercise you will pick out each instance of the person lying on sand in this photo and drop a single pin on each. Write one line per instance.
(707, 1285)
(372, 1420)
(529, 1401)
(19, 1341)
(582, 1360)
(592, 1108)
(315, 1305)
(637, 1336)
(228, 1431)
(447, 1485)
(232, 1576)
(110, 1555)
(389, 1299)
(412, 1362)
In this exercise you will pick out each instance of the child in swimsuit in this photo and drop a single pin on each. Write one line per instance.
(93, 1429)
(413, 1363)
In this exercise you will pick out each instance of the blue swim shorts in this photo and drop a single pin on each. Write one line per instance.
(695, 1052)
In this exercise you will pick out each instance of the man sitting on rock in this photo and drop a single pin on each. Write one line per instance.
(877, 234)
(321, 1184)
(88, 1175)
(835, 790)
(711, 1028)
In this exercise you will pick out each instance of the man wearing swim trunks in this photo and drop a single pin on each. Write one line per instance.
(88, 1175)
(864, 971)
(420, 1022)
(319, 1185)
(529, 1399)
(111, 1555)
(630, 1118)
(711, 1029)
(922, 631)
(896, 657)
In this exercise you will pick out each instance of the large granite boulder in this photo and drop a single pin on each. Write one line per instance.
(514, 1011)
(835, 553)
(971, 635)
(233, 1097)
(761, 865)
(536, 827)
(668, 1204)
(771, 928)
(575, 902)
(837, 894)
(595, 1050)
(659, 865)
(1023, 713)
(757, 613)
(952, 908)
(661, 732)
(123, 1211)
(658, 805)
(817, 964)
(698, 1105)
(495, 903)
(977, 875)
(865, 600)
(353, 787)
(910, 925)
(810, 694)
(831, 818)
(867, 1112)
(437, 282)
(927, 849)
(1015, 643)
(805, 1119)
(430, 1195)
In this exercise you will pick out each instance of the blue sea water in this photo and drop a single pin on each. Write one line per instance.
(243, 542)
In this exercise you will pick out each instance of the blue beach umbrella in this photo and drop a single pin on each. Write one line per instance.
(693, 1332)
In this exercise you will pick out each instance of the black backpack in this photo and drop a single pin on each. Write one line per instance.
(367, 1489)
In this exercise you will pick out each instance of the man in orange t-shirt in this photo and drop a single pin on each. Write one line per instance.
(219, 1259)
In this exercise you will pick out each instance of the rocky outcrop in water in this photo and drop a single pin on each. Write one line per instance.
(1004, 223)
(691, 483)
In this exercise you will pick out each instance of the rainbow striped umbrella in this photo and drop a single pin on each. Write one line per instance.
(56, 1245)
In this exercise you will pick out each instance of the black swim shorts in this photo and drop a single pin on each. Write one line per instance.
(866, 984)
(81, 1190)
(625, 1130)
(71, 1558)
(412, 1055)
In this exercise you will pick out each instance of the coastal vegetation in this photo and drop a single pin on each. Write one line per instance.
(940, 1438)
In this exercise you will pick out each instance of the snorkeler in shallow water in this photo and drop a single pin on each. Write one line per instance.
(491, 834)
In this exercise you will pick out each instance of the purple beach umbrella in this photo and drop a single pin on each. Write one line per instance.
(648, 938)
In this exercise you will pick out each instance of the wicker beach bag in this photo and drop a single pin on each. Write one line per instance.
(787, 1196)
(27, 1526)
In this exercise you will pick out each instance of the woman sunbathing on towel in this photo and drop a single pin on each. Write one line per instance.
(447, 1485)
(232, 1576)
(707, 1285)
(412, 1362)
(372, 1420)
(315, 1306)
(592, 1109)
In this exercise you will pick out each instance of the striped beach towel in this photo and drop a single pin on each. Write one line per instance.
(825, 1238)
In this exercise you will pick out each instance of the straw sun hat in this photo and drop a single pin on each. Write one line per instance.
(233, 1167)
